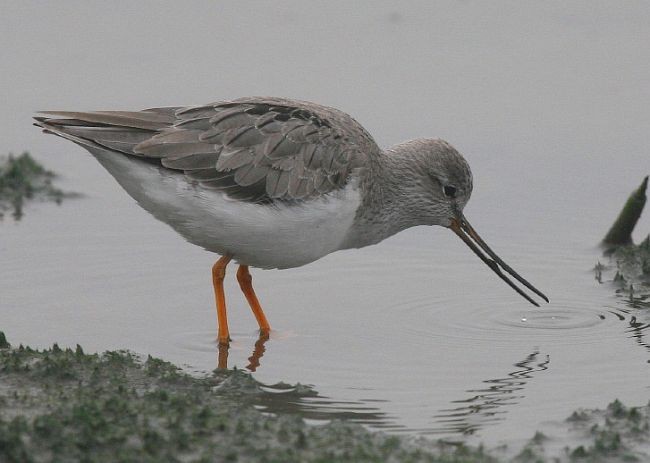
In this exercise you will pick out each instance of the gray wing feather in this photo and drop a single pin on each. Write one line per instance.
(283, 148)
(258, 149)
(194, 161)
(147, 120)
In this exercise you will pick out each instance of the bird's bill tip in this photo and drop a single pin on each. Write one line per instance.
(461, 227)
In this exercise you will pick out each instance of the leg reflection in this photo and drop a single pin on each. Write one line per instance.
(258, 352)
(254, 359)
(222, 362)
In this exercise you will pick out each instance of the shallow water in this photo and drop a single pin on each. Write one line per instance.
(414, 335)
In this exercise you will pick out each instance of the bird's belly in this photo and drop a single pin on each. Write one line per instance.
(259, 235)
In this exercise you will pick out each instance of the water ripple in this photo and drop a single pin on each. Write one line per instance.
(565, 321)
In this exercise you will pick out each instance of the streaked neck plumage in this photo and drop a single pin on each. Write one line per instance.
(418, 182)
(391, 196)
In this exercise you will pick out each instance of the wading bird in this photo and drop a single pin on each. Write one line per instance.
(275, 183)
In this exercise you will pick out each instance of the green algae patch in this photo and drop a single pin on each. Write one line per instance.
(620, 234)
(65, 405)
(23, 179)
(614, 434)
(4, 344)
(629, 263)
(632, 277)
(618, 433)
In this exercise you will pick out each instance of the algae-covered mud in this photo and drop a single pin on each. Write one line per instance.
(630, 266)
(614, 434)
(627, 264)
(23, 179)
(65, 405)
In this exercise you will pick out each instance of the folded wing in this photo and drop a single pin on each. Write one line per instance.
(254, 149)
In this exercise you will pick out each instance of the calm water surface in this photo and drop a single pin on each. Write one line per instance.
(414, 335)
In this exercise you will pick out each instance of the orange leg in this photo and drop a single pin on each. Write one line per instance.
(246, 285)
(218, 274)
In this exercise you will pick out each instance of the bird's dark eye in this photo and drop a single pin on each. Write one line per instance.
(450, 191)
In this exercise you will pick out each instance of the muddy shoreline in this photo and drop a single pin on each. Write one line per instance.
(66, 405)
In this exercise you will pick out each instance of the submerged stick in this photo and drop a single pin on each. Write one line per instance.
(621, 232)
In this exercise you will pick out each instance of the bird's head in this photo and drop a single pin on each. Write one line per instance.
(445, 179)
(441, 180)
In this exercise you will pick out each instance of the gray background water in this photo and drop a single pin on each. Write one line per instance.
(549, 101)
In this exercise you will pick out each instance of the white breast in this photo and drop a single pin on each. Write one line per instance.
(259, 235)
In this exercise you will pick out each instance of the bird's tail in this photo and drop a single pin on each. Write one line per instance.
(114, 130)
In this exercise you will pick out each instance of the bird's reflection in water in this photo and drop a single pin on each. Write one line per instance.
(487, 404)
(304, 401)
(253, 360)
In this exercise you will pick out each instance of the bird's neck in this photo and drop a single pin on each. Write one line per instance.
(387, 205)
